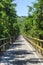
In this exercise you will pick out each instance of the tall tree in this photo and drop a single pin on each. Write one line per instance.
(8, 17)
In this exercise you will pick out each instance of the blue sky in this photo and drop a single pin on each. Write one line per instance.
(22, 9)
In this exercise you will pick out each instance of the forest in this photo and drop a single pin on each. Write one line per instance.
(8, 19)
(12, 25)
(32, 25)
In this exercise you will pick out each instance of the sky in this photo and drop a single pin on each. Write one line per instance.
(21, 8)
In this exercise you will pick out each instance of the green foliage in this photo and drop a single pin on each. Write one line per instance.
(8, 18)
(27, 25)
(16, 28)
(33, 24)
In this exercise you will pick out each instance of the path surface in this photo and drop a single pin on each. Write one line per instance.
(19, 53)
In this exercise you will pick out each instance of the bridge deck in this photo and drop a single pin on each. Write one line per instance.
(20, 53)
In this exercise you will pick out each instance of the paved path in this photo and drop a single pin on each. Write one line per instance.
(20, 53)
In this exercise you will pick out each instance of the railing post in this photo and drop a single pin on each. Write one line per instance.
(37, 43)
(3, 48)
(0, 45)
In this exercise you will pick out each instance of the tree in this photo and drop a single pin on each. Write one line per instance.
(8, 18)
(34, 24)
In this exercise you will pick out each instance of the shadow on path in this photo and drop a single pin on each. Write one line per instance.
(18, 57)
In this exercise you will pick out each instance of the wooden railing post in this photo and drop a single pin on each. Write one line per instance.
(37, 43)
(4, 43)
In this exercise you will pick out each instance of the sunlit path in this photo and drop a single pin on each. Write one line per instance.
(19, 53)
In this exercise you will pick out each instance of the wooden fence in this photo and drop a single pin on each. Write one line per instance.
(37, 43)
(5, 42)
